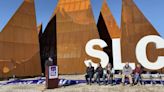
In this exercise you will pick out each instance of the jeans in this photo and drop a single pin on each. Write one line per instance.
(88, 78)
(97, 77)
(137, 78)
(109, 78)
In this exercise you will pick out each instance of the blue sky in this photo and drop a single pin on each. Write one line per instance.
(152, 9)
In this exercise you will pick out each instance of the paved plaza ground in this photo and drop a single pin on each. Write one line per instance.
(81, 87)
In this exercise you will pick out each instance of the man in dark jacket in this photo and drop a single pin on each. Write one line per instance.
(99, 73)
(89, 74)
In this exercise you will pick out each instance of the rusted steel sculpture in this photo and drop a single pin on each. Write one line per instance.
(48, 43)
(134, 26)
(39, 29)
(73, 27)
(108, 29)
(19, 45)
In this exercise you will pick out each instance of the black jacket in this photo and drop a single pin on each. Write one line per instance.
(90, 70)
(99, 70)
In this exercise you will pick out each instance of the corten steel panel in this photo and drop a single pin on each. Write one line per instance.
(75, 27)
(19, 45)
(39, 29)
(108, 29)
(48, 43)
(134, 26)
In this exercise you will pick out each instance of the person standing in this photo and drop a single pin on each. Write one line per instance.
(127, 72)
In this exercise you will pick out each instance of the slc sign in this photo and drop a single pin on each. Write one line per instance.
(140, 52)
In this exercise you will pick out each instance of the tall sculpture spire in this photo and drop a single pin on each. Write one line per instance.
(135, 26)
(110, 23)
(108, 28)
(73, 25)
(19, 45)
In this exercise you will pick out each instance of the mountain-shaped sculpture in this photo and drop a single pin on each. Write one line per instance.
(19, 45)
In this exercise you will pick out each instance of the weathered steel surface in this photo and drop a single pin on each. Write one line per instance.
(75, 27)
(39, 29)
(108, 29)
(48, 43)
(134, 26)
(70, 28)
(19, 45)
(110, 23)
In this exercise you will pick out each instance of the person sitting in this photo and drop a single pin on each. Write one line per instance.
(89, 74)
(99, 73)
(108, 74)
(127, 72)
(137, 74)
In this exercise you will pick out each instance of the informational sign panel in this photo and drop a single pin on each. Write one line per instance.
(53, 72)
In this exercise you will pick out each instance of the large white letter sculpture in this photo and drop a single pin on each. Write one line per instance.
(141, 52)
(96, 53)
(117, 63)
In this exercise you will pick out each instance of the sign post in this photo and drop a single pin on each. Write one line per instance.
(52, 77)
